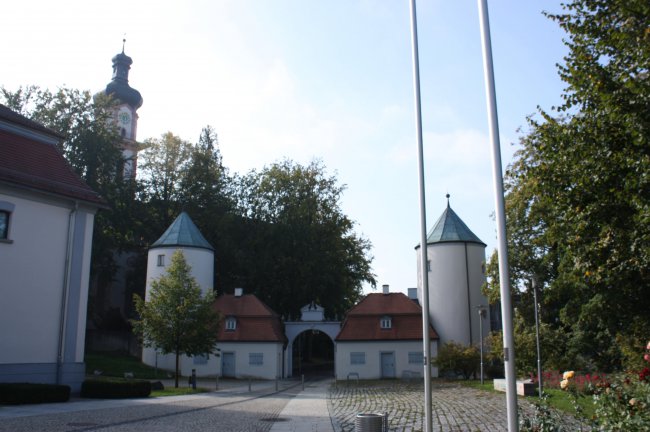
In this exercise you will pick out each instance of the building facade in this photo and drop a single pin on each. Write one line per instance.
(46, 225)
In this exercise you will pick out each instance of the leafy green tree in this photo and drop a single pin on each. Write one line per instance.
(304, 247)
(578, 191)
(163, 165)
(175, 317)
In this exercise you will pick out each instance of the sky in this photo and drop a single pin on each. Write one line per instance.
(316, 79)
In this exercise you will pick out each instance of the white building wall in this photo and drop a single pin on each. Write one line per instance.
(32, 269)
(201, 261)
(372, 367)
(455, 279)
(270, 369)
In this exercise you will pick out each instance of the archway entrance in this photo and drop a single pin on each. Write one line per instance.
(313, 354)
(310, 343)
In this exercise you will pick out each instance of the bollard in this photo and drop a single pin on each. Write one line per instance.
(194, 379)
(276, 384)
(371, 422)
(249, 385)
(216, 386)
(303, 381)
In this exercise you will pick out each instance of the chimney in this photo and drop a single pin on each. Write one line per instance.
(385, 288)
(413, 295)
(239, 292)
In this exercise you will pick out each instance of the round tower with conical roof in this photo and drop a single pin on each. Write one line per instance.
(181, 235)
(456, 273)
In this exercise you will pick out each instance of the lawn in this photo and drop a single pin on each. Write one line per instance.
(116, 365)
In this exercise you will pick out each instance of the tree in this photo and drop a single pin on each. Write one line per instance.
(303, 248)
(176, 318)
(578, 191)
(164, 164)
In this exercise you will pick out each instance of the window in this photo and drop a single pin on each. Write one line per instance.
(231, 323)
(161, 260)
(386, 322)
(415, 357)
(358, 358)
(4, 225)
(201, 360)
(256, 359)
(6, 209)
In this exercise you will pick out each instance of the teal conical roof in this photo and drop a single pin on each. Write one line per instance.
(182, 232)
(450, 228)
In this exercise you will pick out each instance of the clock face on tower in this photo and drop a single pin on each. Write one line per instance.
(124, 117)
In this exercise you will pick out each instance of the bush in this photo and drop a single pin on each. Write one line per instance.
(28, 393)
(457, 359)
(115, 388)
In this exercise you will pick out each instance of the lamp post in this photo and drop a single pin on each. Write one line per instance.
(481, 315)
(539, 356)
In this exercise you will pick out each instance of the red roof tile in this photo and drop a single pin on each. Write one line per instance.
(363, 320)
(28, 162)
(256, 322)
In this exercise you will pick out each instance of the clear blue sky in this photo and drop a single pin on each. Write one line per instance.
(305, 79)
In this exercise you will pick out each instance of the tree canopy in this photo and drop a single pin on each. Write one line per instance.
(578, 191)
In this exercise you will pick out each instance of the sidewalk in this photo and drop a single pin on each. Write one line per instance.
(307, 411)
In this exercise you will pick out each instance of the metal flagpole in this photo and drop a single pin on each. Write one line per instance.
(426, 341)
(504, 277)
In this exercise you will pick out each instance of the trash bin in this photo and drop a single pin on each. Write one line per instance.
(370, 422)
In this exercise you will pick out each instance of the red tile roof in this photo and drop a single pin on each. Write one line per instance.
(34, 164)
(256, 322)
(363, 321)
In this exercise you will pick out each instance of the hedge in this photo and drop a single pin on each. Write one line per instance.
(115, 388)
(30, 393)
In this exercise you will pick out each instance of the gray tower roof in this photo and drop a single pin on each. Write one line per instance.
(182, 232)
(450, 228)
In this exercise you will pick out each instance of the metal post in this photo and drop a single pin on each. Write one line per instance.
(426, 341)
(481, 315)
(194, 379)
(216, 386)
(249, 385)
(302, 379)
(504, 276)
(539, 355)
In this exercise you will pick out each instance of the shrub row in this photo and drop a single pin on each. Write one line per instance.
(115, 388)
(28, 393)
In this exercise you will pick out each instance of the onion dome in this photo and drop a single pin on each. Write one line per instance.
(119, 86)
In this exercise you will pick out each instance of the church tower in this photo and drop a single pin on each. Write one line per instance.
(125, 115)
(456, 273)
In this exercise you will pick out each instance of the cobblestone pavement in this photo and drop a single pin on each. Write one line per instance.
(454, 407)
(206, 412)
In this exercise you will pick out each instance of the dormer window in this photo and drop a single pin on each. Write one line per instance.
(386, 322)
(231, 324)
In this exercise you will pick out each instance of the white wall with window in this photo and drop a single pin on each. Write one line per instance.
(258, 360)
(37, 232)
(364, 358)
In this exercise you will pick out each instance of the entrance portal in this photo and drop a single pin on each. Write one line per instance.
(313, 354)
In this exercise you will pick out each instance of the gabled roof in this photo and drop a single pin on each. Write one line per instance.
(363, 321)
(450, 228)
(182, 232)
(30, 159)
(256, 322)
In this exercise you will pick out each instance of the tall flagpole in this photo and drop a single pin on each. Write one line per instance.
(504, 277)
(424, 279)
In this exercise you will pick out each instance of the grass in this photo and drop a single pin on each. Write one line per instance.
(558, 399)
(171, 391)
(116, 365)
